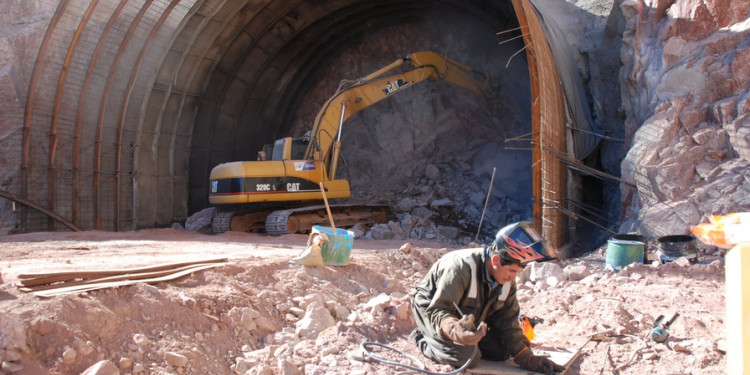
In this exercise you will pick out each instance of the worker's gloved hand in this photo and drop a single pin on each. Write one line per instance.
(528, 361)
(455, 330)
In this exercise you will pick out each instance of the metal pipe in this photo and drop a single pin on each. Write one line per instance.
(486, 201)
(341, 120)
(41, 209)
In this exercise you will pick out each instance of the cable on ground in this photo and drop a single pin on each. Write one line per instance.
(367, 355)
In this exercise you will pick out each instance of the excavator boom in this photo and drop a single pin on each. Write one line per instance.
(366, 91)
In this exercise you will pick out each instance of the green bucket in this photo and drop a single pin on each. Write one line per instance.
(620, 253)
(338, 248)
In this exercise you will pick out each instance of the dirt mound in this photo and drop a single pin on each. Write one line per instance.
(257, 314)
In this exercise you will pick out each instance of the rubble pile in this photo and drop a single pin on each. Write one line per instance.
(442, 203)
(446, 204)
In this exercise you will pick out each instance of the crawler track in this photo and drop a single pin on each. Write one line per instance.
(300, 219)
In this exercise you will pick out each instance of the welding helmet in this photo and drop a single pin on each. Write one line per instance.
(519, 243)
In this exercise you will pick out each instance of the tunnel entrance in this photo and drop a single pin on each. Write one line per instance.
(388, 146)
(131, 105)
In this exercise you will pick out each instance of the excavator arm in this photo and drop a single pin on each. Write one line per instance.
(354, 96)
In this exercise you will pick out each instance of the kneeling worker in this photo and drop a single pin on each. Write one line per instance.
(479, 282)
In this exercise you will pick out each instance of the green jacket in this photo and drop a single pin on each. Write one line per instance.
(461, 276)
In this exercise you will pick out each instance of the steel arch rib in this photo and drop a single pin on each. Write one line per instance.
(103, 108)
(26, 137)
(41, 209)
(223, 91)
(121, 121)
(82, 102)
(56, 107)
(183, 96)
(192, 75)
(158, 126)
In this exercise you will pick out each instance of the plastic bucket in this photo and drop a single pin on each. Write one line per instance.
(620, 253)
(673, 247)
(338, 248)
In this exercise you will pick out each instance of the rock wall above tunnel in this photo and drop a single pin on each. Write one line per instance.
(686, 93)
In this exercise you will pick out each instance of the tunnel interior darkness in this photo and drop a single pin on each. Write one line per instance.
(257, 103)
(131, 103)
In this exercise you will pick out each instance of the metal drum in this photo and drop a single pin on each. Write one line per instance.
(673, 247)
(636, 238)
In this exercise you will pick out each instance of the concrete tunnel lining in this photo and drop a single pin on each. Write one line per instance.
(189, 79)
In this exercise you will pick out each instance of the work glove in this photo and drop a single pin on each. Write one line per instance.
(528, 361)
(459, 331)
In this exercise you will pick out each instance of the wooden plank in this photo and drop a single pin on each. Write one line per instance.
(115, 284)
(557, 355)
(33, 279)
(126, 276)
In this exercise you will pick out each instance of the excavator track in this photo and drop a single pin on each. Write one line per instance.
(298, 220)
(302, 219)
(221, 222)
(238, 221)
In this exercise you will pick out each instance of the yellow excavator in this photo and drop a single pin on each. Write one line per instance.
(294, 171)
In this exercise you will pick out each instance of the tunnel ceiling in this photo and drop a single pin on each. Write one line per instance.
(131, 103)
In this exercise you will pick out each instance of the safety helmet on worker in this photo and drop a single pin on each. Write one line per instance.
(520, 243)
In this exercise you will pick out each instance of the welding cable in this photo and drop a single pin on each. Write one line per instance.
(367, 354)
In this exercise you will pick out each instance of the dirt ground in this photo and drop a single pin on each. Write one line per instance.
(249, 314)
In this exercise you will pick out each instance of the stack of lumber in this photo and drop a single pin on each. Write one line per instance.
(58, 283)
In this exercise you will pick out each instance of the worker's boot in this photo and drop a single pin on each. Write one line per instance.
(313, 254)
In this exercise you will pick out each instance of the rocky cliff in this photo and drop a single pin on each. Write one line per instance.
(685, 93)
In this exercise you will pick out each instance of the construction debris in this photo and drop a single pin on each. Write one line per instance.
(57, 283)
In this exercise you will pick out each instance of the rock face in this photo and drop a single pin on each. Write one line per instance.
(685, 94)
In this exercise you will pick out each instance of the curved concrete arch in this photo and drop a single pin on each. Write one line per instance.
(149, 95)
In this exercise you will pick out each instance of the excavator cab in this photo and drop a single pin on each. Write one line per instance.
(289, 148)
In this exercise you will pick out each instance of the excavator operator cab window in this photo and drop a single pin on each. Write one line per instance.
(278, 149)
(289, 148)
(268, 151)
(299, 146)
